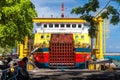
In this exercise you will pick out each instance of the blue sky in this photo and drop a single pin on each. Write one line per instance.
(46, 8)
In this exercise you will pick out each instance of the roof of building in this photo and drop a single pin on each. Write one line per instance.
(58, 20)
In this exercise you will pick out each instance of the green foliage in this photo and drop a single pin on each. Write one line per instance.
(91, 6)
(87, 10)
(115, 19)
(15, 20)
(5, 50)
(93, 24)
(118, 1)
(111, 10)
(113, 13)
(105, 15)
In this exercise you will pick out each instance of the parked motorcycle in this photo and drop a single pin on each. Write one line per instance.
(14, 70)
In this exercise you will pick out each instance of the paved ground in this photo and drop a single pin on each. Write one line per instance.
(73, 74)
(0, 73)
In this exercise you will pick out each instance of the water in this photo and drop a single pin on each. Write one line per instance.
(112, 57)
(115, 59)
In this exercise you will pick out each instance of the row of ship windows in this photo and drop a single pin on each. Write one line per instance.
(82, 37)
(62, 25)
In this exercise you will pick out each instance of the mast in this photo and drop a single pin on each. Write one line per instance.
(62, 15)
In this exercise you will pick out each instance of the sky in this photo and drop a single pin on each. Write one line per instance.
(46, 8)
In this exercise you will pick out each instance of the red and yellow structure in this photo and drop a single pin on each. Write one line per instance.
(62, 42)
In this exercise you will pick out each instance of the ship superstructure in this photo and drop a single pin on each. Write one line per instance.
(62, 42)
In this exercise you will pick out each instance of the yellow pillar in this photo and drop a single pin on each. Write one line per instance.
(21, 51)
(91, 67)
(18, 48)
(96, 50)
(96, 40)
(26, 42)
(96, 45)
(26, 49)
(100, 20)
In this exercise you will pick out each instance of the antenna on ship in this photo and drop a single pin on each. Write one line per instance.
(62, 15)
(51, 16)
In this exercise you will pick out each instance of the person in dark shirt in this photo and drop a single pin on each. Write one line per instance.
(25, 60)
(24, 72)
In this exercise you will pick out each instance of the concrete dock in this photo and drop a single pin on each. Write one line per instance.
(73, 74)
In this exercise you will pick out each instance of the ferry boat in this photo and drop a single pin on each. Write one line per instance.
(62, 42)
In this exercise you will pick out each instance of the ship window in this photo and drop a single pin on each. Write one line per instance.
(79, 25)
(62, 25)
(45, 25)
(41, 36)
(73, 25)
(38, 24)
(82, 37)
(68, 25)
(51, 25)
(76, 36)
(83, 28)
(47, 36)
(87, 25)
(56, 25)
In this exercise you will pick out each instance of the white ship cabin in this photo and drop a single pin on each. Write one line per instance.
(61, 28)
